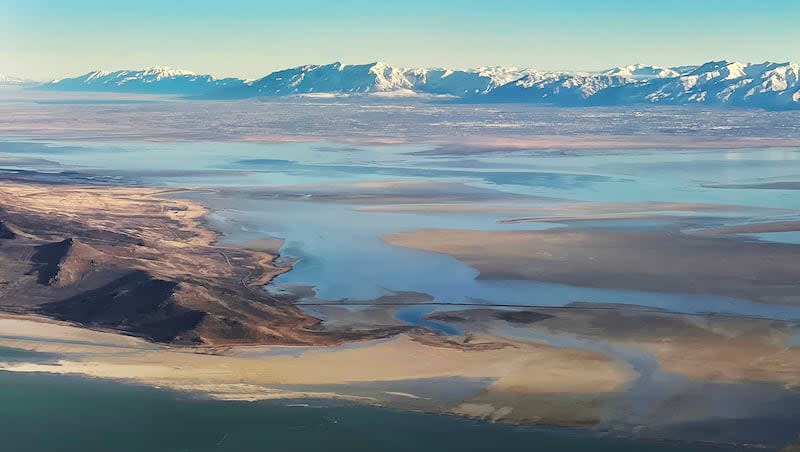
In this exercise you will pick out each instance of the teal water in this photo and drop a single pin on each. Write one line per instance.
(280, 190)
(324, 236)
(341, 255)
(792, 237)
(608, 176)
(44, 413)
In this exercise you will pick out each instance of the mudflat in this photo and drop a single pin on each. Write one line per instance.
(129, 284)
(506, 367)
(657, 261)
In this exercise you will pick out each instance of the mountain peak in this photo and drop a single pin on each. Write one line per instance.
(154, 80)
(641, 71)
(711, 66)
(762, 85)
(9, 80)
(166, 71)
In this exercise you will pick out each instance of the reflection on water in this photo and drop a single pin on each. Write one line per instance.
(341, 254)
(339, 250)
(619, 176)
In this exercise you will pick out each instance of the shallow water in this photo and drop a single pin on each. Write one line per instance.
(659, 401)
(40, 412)
(792, 237)
(415, 315)
(338, 248)
(618, 176)
(341, 254)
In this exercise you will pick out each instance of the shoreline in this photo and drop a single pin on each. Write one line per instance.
(662, 261)
(90, 245)
(513, 368)
(197, 372)
(379, 414)
(264, 371)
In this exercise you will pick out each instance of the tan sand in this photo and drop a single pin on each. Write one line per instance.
(13, 326)
(715, 348)
(730, 361)
(252, 373)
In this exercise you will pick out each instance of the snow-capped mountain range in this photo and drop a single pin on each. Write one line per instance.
(7, 80)
(155, 80)
(761, 85)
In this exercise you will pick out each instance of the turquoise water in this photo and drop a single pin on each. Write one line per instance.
(340, 254)
(792, 237)
(702, 176)
(614, 176)
(272, 189)
(45, 413)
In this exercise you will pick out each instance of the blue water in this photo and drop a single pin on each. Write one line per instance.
(340, 253)
(792, 237)
(622, 176)
(44, 413)
(338, 247)
(415, 315)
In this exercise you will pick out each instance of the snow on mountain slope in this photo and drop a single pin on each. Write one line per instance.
(332, 78)
(720, 83)
(381, 78)
(155, 80)
(7, 80)
(462, 82)
(763, 85)
(557, 88)
(645, 72)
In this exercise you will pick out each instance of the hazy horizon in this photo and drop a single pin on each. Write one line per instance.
(216, 74)
(249, 39)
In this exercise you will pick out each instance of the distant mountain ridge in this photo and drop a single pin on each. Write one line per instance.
(720, 83)
(7, 80)
(155, 80)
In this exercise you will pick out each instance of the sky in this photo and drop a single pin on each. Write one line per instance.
(46, 39)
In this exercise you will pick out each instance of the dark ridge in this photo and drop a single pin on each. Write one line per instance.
(374, 333)
(521, 316)
(232, 329)
(446, 317)
(58, 178)
(136, 302)
(47, 259)
(6, 233)
(43, 228)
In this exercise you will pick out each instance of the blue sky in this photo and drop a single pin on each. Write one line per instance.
(46, 39)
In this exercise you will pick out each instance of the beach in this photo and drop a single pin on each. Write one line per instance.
(618, 291)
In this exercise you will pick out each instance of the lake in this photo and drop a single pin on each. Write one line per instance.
(42, 413)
